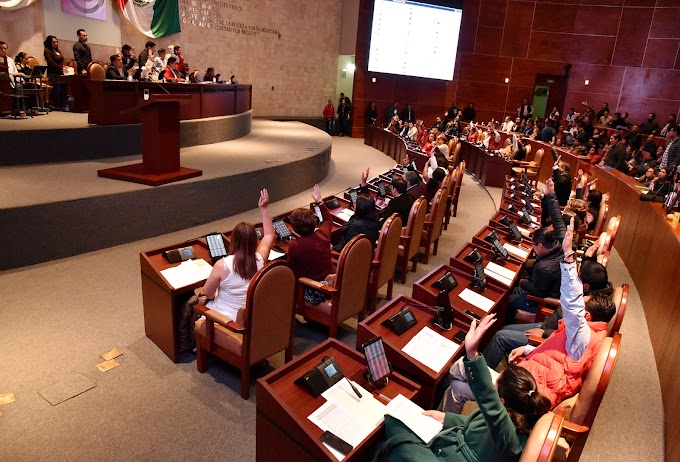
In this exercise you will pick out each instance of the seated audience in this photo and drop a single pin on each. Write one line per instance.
(605, 118)
(650, 125)
(508, 125)
(563, 359)
(159, 61)
(648, 176)
(633, 138)
(115, 70)
(209, 75)
(364, 221)
(401, 201)
(662, 183)
(672, 121)
(231, 274)
(433, 183)
(509, 404)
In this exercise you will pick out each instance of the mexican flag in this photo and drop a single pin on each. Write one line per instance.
(153, 18)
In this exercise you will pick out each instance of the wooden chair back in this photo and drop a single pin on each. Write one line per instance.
(269, 309)
(415, 225)
(434, 223)
(542, 441)
(96, 71)
(602, 215)
(354, 266)
(604, 258)
(538, 159)
(613, 228)
(384, 260)
(32, 62)
(620, 298)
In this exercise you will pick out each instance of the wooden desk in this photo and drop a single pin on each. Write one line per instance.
(284, 433)
(458, 261)
(109, 98)
(489, 169)
(390, 144)
(427, 378)
(162, 302)
(478, 239)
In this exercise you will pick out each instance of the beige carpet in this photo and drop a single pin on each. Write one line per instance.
(58, 317)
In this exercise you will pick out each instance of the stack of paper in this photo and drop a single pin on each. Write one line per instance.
(500, 274)
(475, 299)
(431, 349)
(411, 415)
(273, 254)
(187, 273)
(523, 254)
(346, 415)
(345, 215)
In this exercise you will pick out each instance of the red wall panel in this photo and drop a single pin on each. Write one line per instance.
(629, 50)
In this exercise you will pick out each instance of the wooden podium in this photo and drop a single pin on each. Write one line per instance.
(160, 145)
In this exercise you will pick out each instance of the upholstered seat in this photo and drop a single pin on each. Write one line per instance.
(542, 441)
(451, 190)
(265, 328)
(432, 228)
(348, 295)
(96, 71)
(532, 168)
(410, 238)
(384, 260)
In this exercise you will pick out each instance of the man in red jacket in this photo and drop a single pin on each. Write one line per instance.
(559, 363)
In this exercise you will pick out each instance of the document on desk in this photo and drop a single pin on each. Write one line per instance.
(523, 254)
(500, 274)
(335, 418)
(431, 349)
(345, 215)
(480, 301)
(366, 408)
(411, 415)
(273, 254)
(187, 273)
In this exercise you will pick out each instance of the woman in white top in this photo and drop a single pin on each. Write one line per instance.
(233, 273)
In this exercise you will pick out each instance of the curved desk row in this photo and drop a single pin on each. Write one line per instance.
(111, 100)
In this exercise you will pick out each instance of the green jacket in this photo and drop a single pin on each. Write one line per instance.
(487, 434)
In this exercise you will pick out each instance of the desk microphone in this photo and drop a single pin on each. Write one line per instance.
(348, 381)
(162, 87)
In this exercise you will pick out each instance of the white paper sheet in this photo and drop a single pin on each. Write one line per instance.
(273, 254)
(503, 280)
(523, 254)
(187, 273)
(498, 269)
(411, 415)
(525, 232)
(431, 349)
(367, 408)
(345, 215)
(480, 301)
(336, 419)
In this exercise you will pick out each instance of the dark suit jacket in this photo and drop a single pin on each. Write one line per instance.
(112, 74)
(401, 205)
(82, 55)
(616, 157)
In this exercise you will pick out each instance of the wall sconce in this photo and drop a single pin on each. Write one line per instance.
(587, 82)
(507, 80)
(373, 80)
(352, 67)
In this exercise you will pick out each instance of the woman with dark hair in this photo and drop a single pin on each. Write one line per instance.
(661, 184)
(497, 431)
(21, 61)
(55, 68)
(364, 221)
(231, 275)
(309, 256)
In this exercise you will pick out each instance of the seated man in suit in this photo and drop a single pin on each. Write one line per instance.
(416, 187)
(401, 201)
(544, 280)
(559, 364)
(115, 70)
(170, 74)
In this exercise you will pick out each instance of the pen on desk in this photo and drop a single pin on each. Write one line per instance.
(383, 396)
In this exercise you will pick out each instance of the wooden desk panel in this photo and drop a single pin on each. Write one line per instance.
(393, 146)
(77, 90)
(458, 261)
(161, 301)
(425, 293)
(284, 432)
(427, 378)
(109, 98)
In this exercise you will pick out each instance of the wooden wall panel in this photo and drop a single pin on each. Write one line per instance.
(571, 48)
(633, 30)
(599, 20)
(492, 13)
(468, 30)
(665, 23)
(517, 29)
(551, 18)
(661, 53)
(489, 40)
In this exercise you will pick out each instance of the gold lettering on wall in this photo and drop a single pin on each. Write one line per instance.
(219, 15)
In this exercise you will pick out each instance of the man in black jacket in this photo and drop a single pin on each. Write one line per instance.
(401, 202)
(595, 281)
(544, 280)
(81, 52)
(616, 156)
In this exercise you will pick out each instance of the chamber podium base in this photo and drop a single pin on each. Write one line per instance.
(135, 174)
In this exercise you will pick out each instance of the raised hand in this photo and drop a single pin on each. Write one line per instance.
(364, 176)
(316, 193)
(263, 202)
(568, 237)
(475, 334)
(549, 187)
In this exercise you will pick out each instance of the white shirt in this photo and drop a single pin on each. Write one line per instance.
(507, 126)
(233, 290)
(11, 70)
